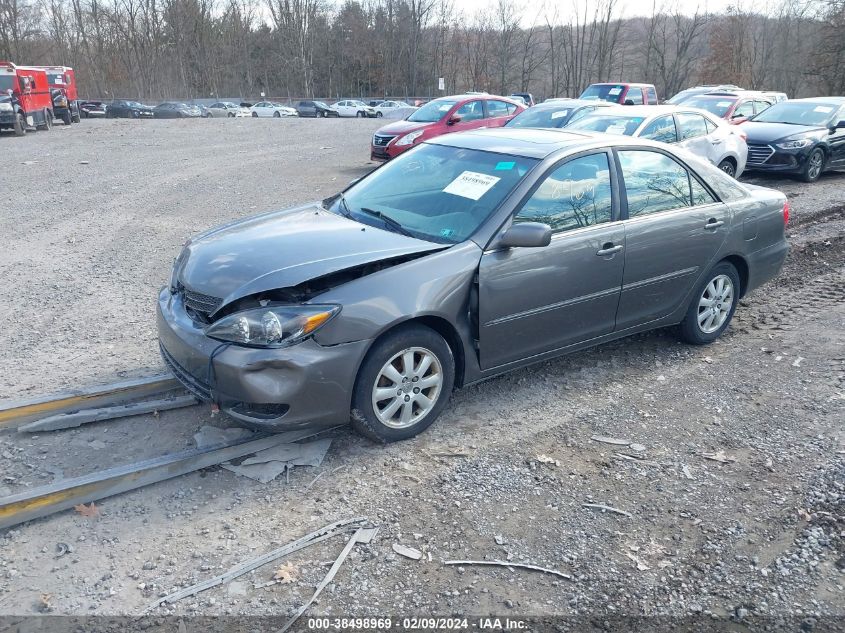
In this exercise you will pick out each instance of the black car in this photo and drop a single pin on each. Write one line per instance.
(315, 109)
(123, 109)
(173, 110)
(90, 109)
(556, 113)
(800, 136)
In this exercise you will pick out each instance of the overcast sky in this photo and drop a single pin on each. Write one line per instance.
(628, 8)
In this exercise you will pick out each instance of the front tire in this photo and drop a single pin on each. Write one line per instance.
(403, 384)
(255, 115)
(713, 305)
(67, 118)
(276, 115)
(814, 166)
(379, 115)
(728, 167)
(20, 124)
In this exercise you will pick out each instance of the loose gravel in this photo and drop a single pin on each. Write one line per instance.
(752, 536)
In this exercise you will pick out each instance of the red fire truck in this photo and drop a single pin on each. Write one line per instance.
(25, 100)
(63, 89)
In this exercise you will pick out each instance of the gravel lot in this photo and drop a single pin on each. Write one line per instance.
(92, 218)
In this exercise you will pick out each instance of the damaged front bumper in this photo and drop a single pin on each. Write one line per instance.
(274, 389)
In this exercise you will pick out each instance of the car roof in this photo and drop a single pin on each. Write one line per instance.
(827, 100)
(646, 111)
(551, 104)
(533, 142)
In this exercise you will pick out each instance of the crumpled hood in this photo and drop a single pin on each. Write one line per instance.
(402, 127)
(283, 249)
(760, 132)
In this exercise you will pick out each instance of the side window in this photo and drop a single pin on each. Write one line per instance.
(745, 109)
(511, 108)
(691, 126)
(471, 111)
(711, 126)
(653, 182)
(700, 195)
(497, 109)
(661, 129)
(574, 195)
(634, 95)
(651, 93)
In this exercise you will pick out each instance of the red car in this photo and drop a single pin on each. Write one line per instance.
(442, 116)
(622, 93)
(734, 107)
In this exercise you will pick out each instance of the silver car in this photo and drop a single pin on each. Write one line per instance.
(470, 255)
(696, 130)
(226, 109)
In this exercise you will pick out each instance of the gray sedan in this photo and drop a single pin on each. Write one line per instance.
(464, 258)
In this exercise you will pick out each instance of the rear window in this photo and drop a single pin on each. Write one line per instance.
(714, 105)
(545, 117)
(604, 92)
(613, 124)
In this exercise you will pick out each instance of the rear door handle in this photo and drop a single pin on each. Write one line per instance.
(713, 224)
(609, 249)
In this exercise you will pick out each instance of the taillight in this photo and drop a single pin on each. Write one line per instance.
(785, 212)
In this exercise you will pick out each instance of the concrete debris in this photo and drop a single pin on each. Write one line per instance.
(407, 552)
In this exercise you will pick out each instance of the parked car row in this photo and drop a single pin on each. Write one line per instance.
(734, 129)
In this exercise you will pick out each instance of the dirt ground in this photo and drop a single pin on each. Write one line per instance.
(92, 216)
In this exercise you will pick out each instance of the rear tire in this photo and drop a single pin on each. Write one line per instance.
(713, 305)
(47, 125)
(67, 119)
(255, 115)
(20, 124)
(379, 115)
(408, 356)
(814, 166)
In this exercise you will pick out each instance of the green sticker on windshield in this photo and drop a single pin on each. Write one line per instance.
(504, 166)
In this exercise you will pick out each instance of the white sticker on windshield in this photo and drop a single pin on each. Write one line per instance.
(614, 91)
(617, 128)
(471, 184)
(824, 109)
(559, 114)
(723, 104)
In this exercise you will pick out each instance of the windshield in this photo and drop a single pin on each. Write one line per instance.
(603, 92)
(715, 105)
(436, 193)
(798, 113)
(613, 124)
(546, 117)
(7, 82)
(55, 78)
(432, 111)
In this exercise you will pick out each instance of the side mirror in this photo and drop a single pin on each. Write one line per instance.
(840, 125)
(629, 102)
(737, 115)
(526, 234)
(453, 119)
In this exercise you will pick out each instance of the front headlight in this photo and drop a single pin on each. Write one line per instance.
(5, 106)
(409, 138)
(796, 144)
(273, 326)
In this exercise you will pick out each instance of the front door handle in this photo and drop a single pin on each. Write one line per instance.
(713, 224)
(608, 249)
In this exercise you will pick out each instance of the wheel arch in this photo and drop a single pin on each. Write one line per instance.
(741, 265)
(442, 326)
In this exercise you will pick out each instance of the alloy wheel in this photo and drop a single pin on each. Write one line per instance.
(816, 162)
(407, 387)
(715, 304)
